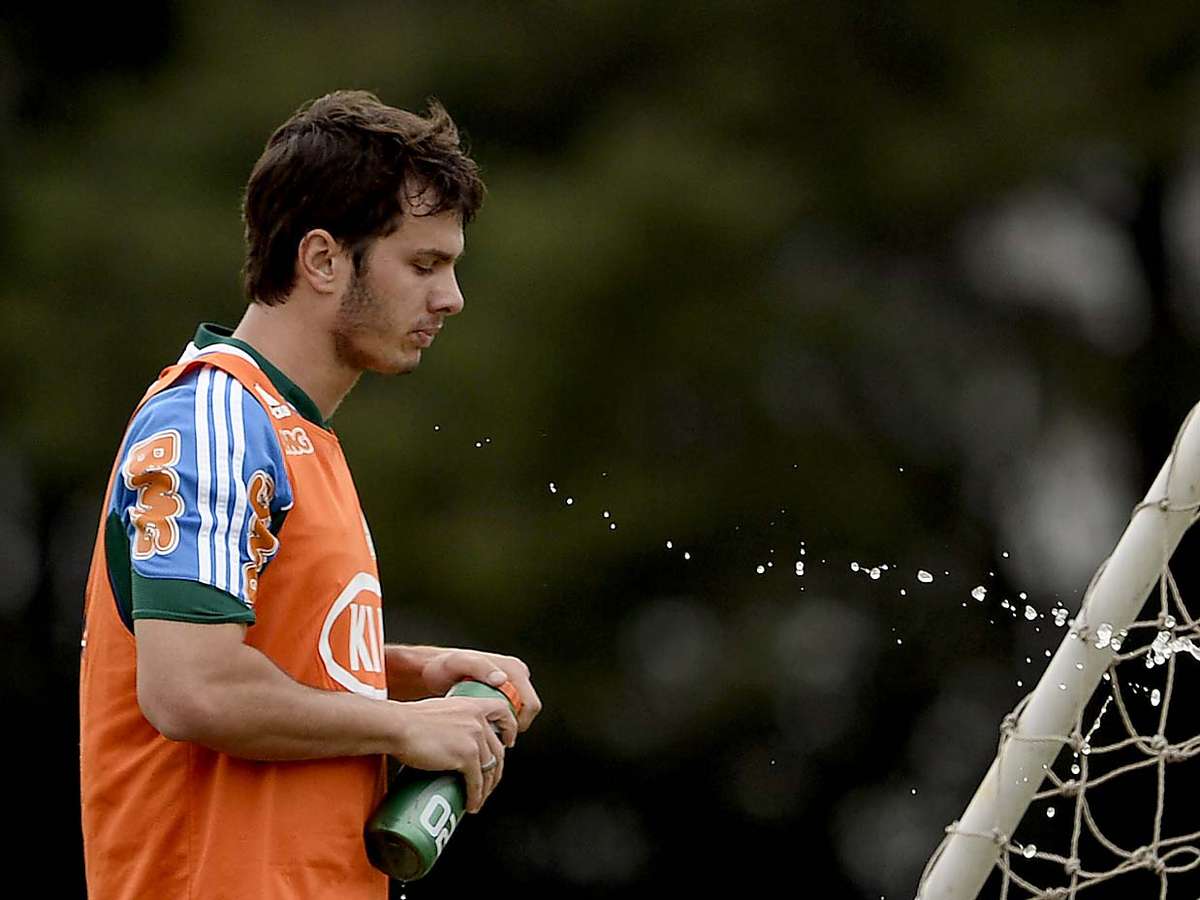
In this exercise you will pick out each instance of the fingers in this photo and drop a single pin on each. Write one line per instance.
(531, 704)
(490, 754)
(500, 717)
(491, 778)
(474, 779)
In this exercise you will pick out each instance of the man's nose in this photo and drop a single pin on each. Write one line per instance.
(449, 300)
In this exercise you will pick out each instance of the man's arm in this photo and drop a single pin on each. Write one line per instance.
(420, 671)
(405, 666)
(202, 683)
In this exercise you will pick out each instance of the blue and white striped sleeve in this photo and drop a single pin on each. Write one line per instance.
(202, 489)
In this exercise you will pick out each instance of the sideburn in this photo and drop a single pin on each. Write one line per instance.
(354, 320)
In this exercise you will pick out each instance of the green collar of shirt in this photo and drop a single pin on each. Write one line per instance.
(208, 334)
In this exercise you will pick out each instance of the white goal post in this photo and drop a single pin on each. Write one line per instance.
(964, 860)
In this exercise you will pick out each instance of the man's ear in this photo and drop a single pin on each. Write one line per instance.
(321, 262)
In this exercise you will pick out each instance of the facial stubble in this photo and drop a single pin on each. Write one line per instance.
(362, 317)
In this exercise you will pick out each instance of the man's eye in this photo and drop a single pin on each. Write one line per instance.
(424, 270)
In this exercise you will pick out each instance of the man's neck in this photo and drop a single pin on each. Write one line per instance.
(301, 350)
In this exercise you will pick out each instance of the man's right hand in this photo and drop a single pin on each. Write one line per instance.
(459, 734)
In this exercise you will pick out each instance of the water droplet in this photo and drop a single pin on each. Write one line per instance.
(1023, 595)
(1030, 850)
(1060, 616)
(553, 488)
(1061, 686)
(924, 577)
(479, 443)
(669, 545)
(770, 565)
(570, 500)
(1050, 813)
(913, 792)
(1169, 622)
(979, 593)
(687, 555)
(606, 514)
(761, 569)
(1005, 554)
(1004, 604)
(799, 568)
(1086, 749)
(1155, 697)
(1118, 639)
(437, 427)
(874, 573)
(903, 592)
(1103, 636)
(1030, 613)
(1020, 683)
(854, 567)
(612, 526)
(899, 641)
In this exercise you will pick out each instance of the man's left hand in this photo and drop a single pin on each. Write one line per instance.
(449, 667)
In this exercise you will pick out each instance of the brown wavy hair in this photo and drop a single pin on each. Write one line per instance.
(347, 162)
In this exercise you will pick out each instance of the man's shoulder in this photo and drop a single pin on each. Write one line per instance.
(203, 398)
(212, 423)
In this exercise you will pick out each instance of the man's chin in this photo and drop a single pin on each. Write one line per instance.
(399, 365)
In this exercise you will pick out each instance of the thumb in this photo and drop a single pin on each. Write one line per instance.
(482, 669)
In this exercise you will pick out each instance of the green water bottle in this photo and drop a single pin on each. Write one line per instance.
(409, 829)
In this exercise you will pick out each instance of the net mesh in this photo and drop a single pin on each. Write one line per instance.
(1124, 733)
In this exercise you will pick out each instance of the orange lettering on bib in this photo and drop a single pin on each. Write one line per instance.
(150, 470)
(262, 543)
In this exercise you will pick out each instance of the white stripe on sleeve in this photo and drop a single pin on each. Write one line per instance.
(221, 451)
(236, 394)
(204, 477)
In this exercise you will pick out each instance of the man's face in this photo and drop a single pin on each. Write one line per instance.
(394, 307)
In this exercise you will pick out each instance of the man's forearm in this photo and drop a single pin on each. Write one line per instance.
(257, 711)
(404, 664)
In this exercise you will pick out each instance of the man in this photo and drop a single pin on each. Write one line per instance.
(237, 700)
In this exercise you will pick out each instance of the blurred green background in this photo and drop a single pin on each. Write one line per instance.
(901, 285)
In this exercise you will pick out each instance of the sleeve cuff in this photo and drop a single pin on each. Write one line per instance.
(180, 600)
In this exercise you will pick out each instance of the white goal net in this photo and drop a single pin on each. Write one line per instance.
(1101, 715)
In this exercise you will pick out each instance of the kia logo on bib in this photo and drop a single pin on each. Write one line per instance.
(351, 644)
